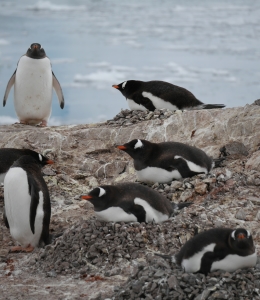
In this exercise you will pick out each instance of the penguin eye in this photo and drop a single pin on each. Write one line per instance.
(123, 85)
(40, 157)
(102, 192)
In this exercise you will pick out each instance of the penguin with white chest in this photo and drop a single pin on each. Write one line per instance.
(27, 204)
(33, 82)
(217, 249)
(9, 155)
(164, 162)
(131, 202)
(151, 95)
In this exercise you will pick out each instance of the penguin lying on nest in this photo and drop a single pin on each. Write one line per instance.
(164, 162)
(217, 249)
(131, 202)
(157, 94)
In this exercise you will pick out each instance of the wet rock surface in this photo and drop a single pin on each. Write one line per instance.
(88, 259)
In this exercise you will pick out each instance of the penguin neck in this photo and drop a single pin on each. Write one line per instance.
(242, 249)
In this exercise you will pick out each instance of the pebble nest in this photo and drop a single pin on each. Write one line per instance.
(129, 117)
(93, 250)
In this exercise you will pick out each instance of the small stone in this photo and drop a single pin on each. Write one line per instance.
(201, 188)
(240, 215)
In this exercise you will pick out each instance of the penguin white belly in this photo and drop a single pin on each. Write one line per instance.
(159, 103)
(233, 262)
(151, 213)
(134, 106)
(2, 177)
(17, 208)
(193, 263)
(154, 174)
(33, 90)
(193, 167)
(115, 214)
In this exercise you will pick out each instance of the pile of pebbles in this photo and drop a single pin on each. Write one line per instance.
(161, 279)
(128, 117)
(92, 246)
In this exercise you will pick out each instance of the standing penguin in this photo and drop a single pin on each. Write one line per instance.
(151, 95)
(27, 204)
(217, 249)
(131, 202)
(9, 155)
(33, 81)
(164, 162)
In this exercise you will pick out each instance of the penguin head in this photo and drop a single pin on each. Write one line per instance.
(100, 197)
(32, 158)
(128, 87)
(36, 51)
(241, 239)
(137, 149)
(43, 160)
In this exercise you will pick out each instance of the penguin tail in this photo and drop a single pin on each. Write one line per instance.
(217, 162)
(179, 206)
(171, 257)
(212, 106)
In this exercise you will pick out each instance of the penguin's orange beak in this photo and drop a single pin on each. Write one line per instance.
(86, 197)
(121, 147)
(115, 86)
(50, 162)
(35, 47)
(241, 236)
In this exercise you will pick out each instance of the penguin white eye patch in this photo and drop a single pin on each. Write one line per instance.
(123, 85)
(139, 144)
(102, 192)
(40, 157)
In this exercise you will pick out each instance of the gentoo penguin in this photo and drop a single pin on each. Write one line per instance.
(33, 81)
(27, 204)
(164, 162)
(131, 202)
(217, 249)
(151, 95)
(9, 155)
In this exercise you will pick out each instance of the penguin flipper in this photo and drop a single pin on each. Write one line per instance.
(34, 192)
(138, 211)
(5, 220)
(8, 87)
(58, 90)
(146, 102)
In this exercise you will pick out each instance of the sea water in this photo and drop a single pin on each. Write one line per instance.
(208, 47)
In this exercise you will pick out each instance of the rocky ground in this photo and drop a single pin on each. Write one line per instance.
(92, 260)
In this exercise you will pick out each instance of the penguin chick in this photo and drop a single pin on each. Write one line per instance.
(131, 202)
(151, 95)
(217, 249)
(164, 162)
(27, 204)
(9, 155)
(33, 81)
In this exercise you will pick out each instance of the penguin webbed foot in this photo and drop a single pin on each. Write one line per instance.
(43, 124)
(27, 249)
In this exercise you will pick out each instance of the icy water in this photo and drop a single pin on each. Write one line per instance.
(209, 47)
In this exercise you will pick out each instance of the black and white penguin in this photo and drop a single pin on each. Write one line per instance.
(217, 249)
(131, 202)
(151, 95)
(164, 162)
(9, 155)
(27, 204)
(33, 81)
